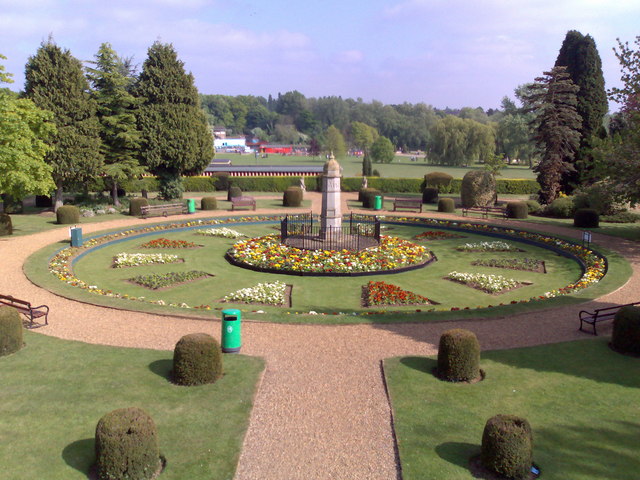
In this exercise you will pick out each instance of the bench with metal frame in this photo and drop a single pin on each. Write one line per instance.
(485, 211)
(162, 210)
(409, 203)
(600, 315)
(243, 201)
(26, 308)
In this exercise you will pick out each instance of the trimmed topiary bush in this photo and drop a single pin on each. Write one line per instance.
(478, 189)
(430, 195)
(458, 356)
(208, 203)
(446, 205)
(625, 337)
(233, 193)
(561, 207)
(135, 204)
(221, 181)
(10, 331)
(533, 206)
(586, 218)
(292, 197)
(363, 192)
(507, 446)
(68, 214)
(6, 226)
(127, 446)
(197, 359)
(517, 210)
(439, 180)
(369, 200)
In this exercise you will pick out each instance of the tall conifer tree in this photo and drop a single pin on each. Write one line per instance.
(55, 81)
(176, 139)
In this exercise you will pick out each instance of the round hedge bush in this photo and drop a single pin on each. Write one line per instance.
(533, 206)
(6, 226)
(507, 446)
(197, 359)
(458, 356)
(208, 203)
(446, 205)
(127, 445)
(625, 337)
(430, 195)
(586, 218)
(10, 331)
(517, 210)
(135, 206)
(438, 180)
(561, 207)
(478, 189)
(292, 197)
(369, 200)
(234, 192)
(68, 214)
(363, 192)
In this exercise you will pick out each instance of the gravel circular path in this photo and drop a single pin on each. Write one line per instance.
(321, 411)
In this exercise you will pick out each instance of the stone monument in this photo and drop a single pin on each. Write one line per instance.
(331, 215)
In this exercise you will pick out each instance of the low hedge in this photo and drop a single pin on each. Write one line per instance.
(199, 184)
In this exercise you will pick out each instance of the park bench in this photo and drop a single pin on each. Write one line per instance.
(600, 314)
(243, 201)
(162, 210)
(410, 203)
(25, 308)
(485, 211)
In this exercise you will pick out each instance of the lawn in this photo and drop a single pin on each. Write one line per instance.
(55, 391)
(581, 399)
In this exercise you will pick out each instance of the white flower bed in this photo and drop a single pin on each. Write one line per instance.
(137, 259)
(220, 232)
(495, 246)
(269, 293)
(488, 283)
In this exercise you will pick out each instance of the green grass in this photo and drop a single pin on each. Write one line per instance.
(55, 391)
(581, 399)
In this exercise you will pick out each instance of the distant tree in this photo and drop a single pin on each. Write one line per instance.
(382, 150)
(24, 132)
(55, 81)
(176, 137)
(514, 137)
(552, 99)
(112, 80)
(314, 147)
(456, 141)
(366, 165)
(363, 135)
(335, 142)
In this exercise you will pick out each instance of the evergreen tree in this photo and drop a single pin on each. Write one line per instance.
(176, 139)
(382, 150)
(552, 99)
(335, 142)
(366, 165)
(584, 66)
(112, 80)
(55, 81)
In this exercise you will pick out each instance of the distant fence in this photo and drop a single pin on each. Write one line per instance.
(305, 232)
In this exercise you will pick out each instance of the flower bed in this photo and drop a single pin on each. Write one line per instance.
(274, 293)
(136, 259)
(155, 281)
(481, 281)
(386, 294)
(526, 264)
(269, 254)
(166, 243)
(495, 246)
(436, 235)
(220, 232)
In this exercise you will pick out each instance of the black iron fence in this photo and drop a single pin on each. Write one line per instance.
(356, 233)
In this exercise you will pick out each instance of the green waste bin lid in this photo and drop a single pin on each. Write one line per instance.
(231, 311)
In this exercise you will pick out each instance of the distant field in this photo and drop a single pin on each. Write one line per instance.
(401, 167)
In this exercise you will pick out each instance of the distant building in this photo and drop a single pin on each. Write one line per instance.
(219, 132)
(231, 144)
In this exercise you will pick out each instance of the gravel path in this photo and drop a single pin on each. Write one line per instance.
(321, 411)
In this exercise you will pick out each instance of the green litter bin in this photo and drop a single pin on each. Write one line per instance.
(377, 204)
(231, 331)
(76, 236)
(191, 205)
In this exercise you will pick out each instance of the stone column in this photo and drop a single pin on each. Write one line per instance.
(331, 216)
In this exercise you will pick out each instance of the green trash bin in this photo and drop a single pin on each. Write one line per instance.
(231, 331)
(76, 236)
(191, 205)
(377, 204)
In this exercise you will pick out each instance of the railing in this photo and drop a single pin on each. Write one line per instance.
(302, 231)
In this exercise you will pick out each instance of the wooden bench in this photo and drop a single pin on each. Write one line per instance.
(485, 211)
(600, 314)
(162, 210)
(410, 203)
(25, 308)
(243, 202)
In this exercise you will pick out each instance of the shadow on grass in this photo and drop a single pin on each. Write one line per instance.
(80, 455)
(457, 453)
(421, 364)
(162, 368)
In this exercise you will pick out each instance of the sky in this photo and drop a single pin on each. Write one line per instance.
(445, 53)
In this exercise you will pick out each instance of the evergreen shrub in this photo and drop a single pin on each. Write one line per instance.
(369, 200)
(234, 192)
(292, 197)
(586, 218)
(10, 331)
(364, 192)
(6, 226)
(135, 205)
(599, 196)
(561, 207)
(197, 359)
(199, 184)
(68, 214)
(439, 180)
(507, 447)
(208, 203)
(221, 181)
(625, 337)
(446, 205)
(458, 356)
(517, 210)
(430, 195)
(478, 189)
(126, 444)
(622, 217)
(533, 206)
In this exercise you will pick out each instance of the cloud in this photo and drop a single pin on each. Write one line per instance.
(350, 56)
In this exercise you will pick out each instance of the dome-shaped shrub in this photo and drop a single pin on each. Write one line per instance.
(6, 227)
(234, 192)
(127, 445)
(221, 181)
(586, 218)
(430, 195)
(458, 356)
(438, 180)
(10, 331)
(446, 205)
(197, 359)
(68, 214)
(292, 197)
(533, 206)
(135, 205)
(478, 189)
(369, 200)
(561, 207)
(208, 203)
(625, 337)
(507, 446)
(517, 210)
(363, 192)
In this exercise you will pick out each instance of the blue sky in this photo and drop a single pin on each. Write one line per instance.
(452, 53)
